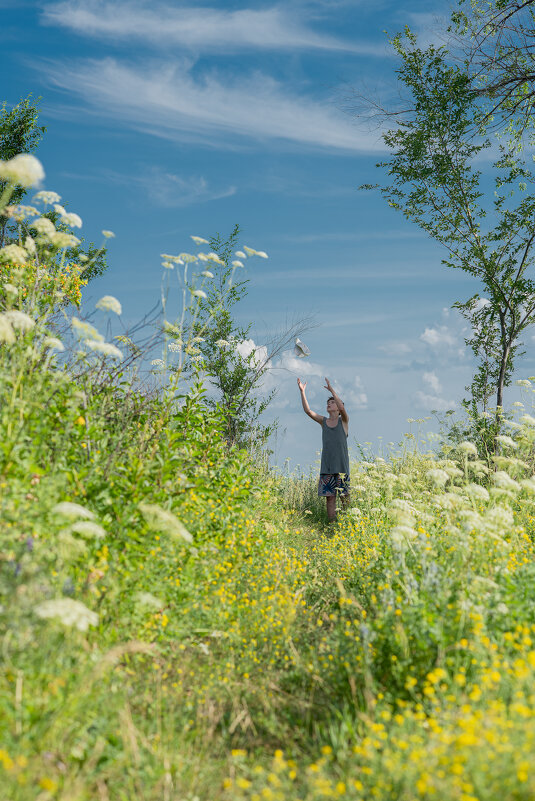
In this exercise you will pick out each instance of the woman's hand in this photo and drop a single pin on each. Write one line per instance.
(300, 384)
(328, 386)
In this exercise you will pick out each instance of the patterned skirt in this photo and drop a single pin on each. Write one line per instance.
(333, 484)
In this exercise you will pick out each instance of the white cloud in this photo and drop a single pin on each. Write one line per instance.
(259, 357)
(431, 379)
(396, 348)
(169, 190)
(299, 367)
(356, 397)
(441, 335)
(432, 402)
(206, 29)
(167, 99)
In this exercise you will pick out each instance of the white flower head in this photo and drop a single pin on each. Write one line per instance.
(168, 265)
(53, 343)
(72, 511)
(71, 219)
(7, 335)
(20, 212)
(237, 263)
(174, 347)
(262, 254)
(215, 258)
(528, 420)
(523, 382)
(199, 293)
(13, 253)
(47, 197)
(162, 520)
(207, 274)
(24, 170)
(240, 254)
(20, 320)
(187, 258)
(249, 251)
(110, 304)
(300, 349)
(199, 240)
(222, 343)
(503, 480)
(61, 240)
(157, 363)
(506, 442)
(149, 600)
(108, 234)
(104, 348)
(467, 448)
(29, 245)
(88, 528)
(10, 289)
(85, 330)
(44, 226)
(69, 612)
(438, 476)
(59, 209)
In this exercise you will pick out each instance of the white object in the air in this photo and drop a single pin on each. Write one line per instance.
(300, 349)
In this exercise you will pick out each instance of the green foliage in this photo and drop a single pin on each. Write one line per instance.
(434, 183)
(235, 379)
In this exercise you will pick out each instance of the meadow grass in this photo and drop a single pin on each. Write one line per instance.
(179, 623)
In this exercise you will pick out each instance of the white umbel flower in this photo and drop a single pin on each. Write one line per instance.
(162, 520)
(69, 612)
(20, 320)
(53, 343)
(24, 170)
(109, 303)
(468, 448)
(104, 348)
(47, 197)
(13, 253)
(72, 511)
(85, 330)
(199, 240)
(7, 334)
(506, 442)
(44, 226)
(199, 293)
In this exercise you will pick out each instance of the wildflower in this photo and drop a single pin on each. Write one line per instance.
(300, 349)
(528, 420)
(20, 212)
(149, 600)
(249, 251)
(523, 382)
(59, 209)
(20, 320)
(62, 240)
(104, 348)
(160, 519)
(506, 442)
(168, 265)
(109, 303)
(85, 330)
(23, 169)
(47, 197)
(53, 343)
(6, 330)
(174, 347)
(88, 528)
(72, 510)
(157, 363)
(402, 534)
(222, 343)
(262, 254)
(207, 274)
(69, 612)
(240, 254)
(13, 253)
(199, 293)
(10, 289)
(478, 492)
(108, 234)
(467, 448)
(199, 240)
(44, 226)
(71, 219)
(438, 477)
(504, 481)
(237, 263)
(29, 245)
(187, 258)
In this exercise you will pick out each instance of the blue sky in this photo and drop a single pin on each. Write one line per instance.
(167, 119)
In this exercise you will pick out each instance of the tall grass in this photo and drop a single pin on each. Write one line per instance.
(176, 626)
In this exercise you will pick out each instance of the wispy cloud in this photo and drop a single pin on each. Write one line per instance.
(169, 100)
(197, 28)
(170, 190)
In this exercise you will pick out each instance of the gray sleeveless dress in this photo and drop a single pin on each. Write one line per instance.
(334, 453)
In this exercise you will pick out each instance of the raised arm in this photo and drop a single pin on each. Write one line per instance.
(306, 408)
(341, 408)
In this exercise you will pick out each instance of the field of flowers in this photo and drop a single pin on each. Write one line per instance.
(178, 624)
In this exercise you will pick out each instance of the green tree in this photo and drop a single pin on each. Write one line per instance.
(433, 181)
(235, 375)
(20, 133)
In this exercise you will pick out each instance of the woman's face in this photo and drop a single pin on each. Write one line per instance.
(331, 405)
